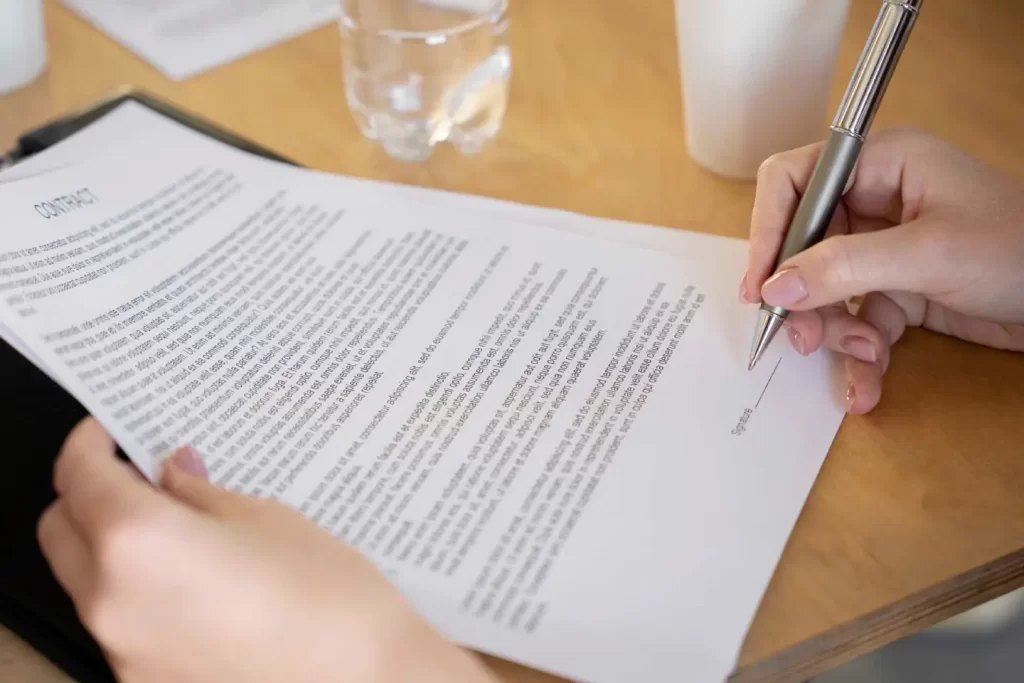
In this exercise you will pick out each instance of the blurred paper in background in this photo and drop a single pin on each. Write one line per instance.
(182, 38)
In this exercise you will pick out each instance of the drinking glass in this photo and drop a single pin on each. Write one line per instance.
(421, 72)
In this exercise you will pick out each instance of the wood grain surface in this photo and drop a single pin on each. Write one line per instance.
(918, 512)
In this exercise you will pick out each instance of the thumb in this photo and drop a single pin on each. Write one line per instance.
(185, 477)
(839, 268)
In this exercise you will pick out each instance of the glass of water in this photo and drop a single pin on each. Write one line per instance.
(421, 72)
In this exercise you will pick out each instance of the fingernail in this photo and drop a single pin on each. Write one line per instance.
(851, 395)
(188, 459)
(860, 348)
(785, 288)
(744, 294)
(797, 340)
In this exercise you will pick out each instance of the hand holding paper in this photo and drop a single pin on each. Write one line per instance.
(245, 590)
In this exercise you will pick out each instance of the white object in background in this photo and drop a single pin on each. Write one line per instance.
(22, 43)
(756, 77)
(187, 37)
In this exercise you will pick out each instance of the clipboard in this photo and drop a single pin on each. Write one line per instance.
(36, 415)
(42, 138)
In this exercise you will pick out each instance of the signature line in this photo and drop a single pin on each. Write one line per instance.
(766, 385)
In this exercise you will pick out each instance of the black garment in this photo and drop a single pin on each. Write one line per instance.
(36, 415)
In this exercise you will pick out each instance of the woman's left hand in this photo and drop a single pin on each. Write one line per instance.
(196, 583)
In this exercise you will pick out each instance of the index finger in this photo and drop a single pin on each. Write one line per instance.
(781, 182)
(96, 488)
(877, 193)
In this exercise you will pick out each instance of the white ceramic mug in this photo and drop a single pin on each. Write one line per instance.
(756, 77)
(23, 52)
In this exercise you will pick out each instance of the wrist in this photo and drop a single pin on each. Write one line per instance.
(422, 655)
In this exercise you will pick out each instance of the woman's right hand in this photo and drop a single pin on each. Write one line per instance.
(925, 234)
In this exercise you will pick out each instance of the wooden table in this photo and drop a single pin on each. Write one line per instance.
(918, 513)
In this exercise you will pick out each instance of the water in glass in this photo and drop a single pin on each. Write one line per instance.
(421, 72)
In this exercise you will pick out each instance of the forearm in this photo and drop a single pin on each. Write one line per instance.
(425, 656)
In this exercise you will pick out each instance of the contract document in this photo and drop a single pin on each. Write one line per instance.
(539, 425)
(183, 38)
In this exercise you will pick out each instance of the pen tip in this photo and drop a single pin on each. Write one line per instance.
(768, 326)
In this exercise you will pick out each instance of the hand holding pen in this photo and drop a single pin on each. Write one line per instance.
(837, 158)
(928, 236)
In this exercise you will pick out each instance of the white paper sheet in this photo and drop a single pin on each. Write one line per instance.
(183, 38)
(659, 569)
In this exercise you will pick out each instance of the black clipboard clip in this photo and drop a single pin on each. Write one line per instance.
(44, 137)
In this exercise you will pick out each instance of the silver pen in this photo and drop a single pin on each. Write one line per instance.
(839, 154)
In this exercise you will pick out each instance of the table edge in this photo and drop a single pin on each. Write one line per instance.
(871, 631)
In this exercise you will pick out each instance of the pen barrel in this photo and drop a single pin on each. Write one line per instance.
(824, 190)
(875, 67)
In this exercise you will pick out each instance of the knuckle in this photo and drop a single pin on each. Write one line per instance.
(879, 331)
(873, 334)
(73, 444)
(44, 527)
(114, 545)
(102, 616)
(906, 134)
(770, 165)
(913, 141)
(124, 544)
(902, 130)
(884, 357)
(61, 466)
(123, 552)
